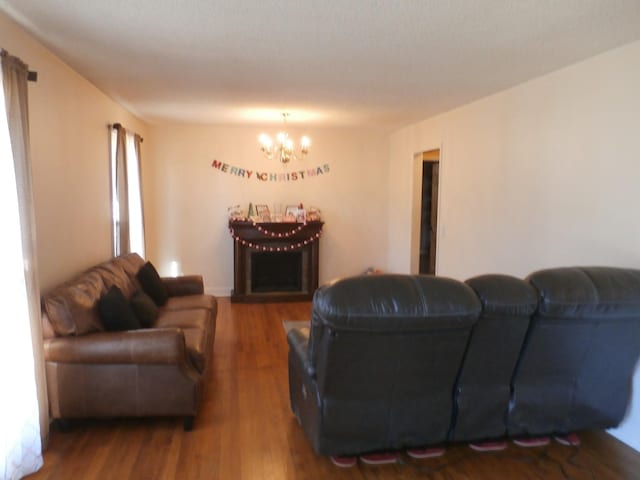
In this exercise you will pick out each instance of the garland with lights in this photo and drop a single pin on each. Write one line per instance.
(280, 235)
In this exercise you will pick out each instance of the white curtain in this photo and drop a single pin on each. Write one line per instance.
(136, 219)
(21, 365)
(126, 192)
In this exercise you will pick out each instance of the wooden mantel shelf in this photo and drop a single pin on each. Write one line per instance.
(267, 238)
(248, 230)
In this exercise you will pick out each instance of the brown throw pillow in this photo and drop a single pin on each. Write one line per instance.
(115, 312)
(144, 308)
(152, 284)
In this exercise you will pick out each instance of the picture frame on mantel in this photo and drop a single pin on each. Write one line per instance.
(290, 213)
(262, 212)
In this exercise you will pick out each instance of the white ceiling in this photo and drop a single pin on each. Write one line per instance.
(329, 62)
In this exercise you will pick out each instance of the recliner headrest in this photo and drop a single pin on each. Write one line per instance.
(587, 291)
(395, 302)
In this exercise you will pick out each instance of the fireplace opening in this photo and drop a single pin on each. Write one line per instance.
(276, 271)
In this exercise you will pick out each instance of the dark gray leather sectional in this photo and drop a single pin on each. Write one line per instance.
(398, 361)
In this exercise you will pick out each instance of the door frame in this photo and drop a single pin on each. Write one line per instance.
(416, 206)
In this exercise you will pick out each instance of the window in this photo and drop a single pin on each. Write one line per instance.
(126, 192)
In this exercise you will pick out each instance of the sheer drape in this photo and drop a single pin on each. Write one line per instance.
(120, 195)
(128, 219)
(23, 403)
(136, 218)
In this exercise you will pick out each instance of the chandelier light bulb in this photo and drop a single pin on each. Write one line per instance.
(265, 141)
(305, 143)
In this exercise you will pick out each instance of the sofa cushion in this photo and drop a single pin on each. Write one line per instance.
(144, 307)
(83, 296)
(191, 301)
(72, 308)
(114, 274)
(115, 312)
(56, 306)
(130, 271)
(130, 263)
(152, 284)
(194, 318)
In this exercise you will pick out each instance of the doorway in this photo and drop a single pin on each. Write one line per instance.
(428, 172)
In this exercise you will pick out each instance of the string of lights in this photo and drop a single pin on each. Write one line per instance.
(294, 245)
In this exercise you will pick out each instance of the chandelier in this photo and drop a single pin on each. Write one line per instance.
(283, 148)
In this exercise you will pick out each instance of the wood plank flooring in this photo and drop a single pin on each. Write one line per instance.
(245, 429)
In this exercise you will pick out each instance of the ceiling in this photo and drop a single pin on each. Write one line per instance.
(383, 63)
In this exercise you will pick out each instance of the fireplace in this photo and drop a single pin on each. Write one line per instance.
(275, 262)
(276, 272)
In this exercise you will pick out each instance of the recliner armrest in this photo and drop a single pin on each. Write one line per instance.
(298, 339)
(146, 346)
(184, 285)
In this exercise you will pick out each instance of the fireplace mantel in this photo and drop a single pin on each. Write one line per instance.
(293, 246)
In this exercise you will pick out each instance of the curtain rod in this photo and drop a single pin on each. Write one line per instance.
(31, 75)
(119, 125)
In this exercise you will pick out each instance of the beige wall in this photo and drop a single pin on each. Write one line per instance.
(69, 148)
(186, 199)
(545, 174)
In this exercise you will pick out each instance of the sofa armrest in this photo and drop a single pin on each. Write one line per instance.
(184, 285)
(298, 339)
(146, 346)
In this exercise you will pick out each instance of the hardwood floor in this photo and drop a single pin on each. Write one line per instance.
(245, 429)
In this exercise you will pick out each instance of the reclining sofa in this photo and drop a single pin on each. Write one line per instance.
(154, 371)
(393, 362)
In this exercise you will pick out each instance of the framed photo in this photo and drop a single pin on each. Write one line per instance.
(262, 212)
(291, 213)
(291, 210)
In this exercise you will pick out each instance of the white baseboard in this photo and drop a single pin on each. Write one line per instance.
(218, 291)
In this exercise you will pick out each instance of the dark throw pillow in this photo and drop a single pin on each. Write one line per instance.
(152, 284)
(115, 312)
(144, 308)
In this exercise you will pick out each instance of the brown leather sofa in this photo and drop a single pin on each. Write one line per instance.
(156, 371)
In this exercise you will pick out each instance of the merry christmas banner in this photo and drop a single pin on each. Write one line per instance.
(292, 176)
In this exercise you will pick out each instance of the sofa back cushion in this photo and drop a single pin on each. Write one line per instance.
(84, 296)
(56, 306)
(113, 273)
(130, 263)
(72, 308)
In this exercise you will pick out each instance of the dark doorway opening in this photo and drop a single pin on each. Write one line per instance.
(276, 271)
(429, 212)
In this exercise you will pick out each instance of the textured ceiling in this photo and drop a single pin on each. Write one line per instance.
(329, 62)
